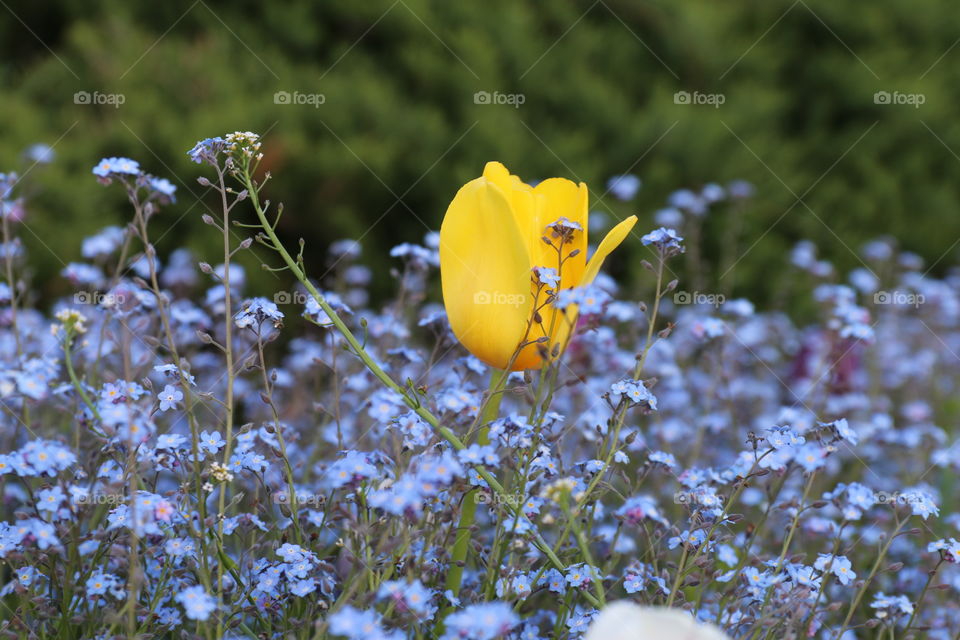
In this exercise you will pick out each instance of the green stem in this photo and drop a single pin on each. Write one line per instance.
(71, 372)
(786, 543)
(468, 507)
(231, 375)
(619, 417)
(278, 430)
(923, 594)
(140, 219)
(584, 544)
(808, 625)
(680, 574)
(866, 583)
(685, 568)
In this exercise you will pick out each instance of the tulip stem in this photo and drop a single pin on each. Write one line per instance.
(415, 405)
(468, 506)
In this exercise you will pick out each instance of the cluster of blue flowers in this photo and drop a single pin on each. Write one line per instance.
(180, 455)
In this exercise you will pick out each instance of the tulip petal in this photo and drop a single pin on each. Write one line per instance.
(611, 242)
(563, 199)
(527, 206)
(562, 324)
(485, 273)
(533, 209)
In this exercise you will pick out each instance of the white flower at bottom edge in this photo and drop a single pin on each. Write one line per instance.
(627, 621)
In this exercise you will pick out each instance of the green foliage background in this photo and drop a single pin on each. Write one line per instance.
(399, 130)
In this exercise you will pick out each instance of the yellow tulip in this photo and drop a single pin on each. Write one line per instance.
(492, 237)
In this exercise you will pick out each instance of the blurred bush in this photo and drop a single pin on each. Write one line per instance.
(399, 128)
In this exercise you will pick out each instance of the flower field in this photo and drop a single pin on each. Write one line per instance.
(509, 444)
